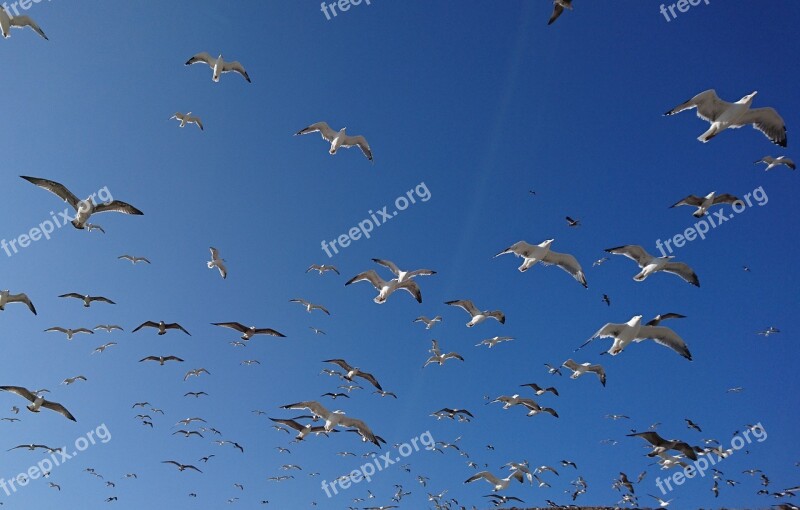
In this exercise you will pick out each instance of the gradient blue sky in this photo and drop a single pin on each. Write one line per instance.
(481, 101)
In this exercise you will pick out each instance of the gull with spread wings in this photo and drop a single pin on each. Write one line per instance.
(338, 138)
(650, 264)
(532, 254)
(218, 66)
(633, 330)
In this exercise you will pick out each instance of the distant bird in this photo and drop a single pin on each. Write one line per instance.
(108, 327)
(400, 275)
(310, 306)
(387, 288)
(661, 445)
(491, 342)
(662, 317)
(539, 390)
(438, 357)
(351, 372)
(385, 393)
(161, 326)
(248, 332)
(661, 503)
(737, 389)
(322, 268)
(775, 162)
(579, 370)
(196, 373)
(477, 315)
(769, 331)
(633, 330)
(303, 430)
(249, 362)
(692, 425)
(181, 467)
(6, 297)
(531, 254)
(91, 226)
(70, 380)
(69, 332)
(429, 323)
(334, 396)
(650, 264)
(7, 22)
(87, 299)
(599, 261)
(723, 115)
(606, 299)
(195, 394)
(497, 483)
(133, 259)
(552, 370)
(187, 118)
(703, 204)
(218, 66)
(217, 262)
(558, 9)
(161, 359)
(566, 463)
(572, 222)
(103, 347)
(617, 417)
(338, 138)
(460, 414)
(84, 209)
(38, 402)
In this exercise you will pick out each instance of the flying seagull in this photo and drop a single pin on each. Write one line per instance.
(703, 204)
(491, 342)
(633, 330)
(498, 483)
(181, 467)
(438, 357)
(351, 372)
(6, 297)
(322, 268)
(69, 332)
(310, 306)
(401, 275)
(161, 359)
(70, 380)
(196, 373)
(336, 418)
(661, 445)
(218, 66)
(558, 9)
(108, 327)
(38, 402)
(384, 288)
(532, 254)
(338, 138)
(7, 22)
(84, 209)
(539, 390)
(429, 323)
(217, 262)
(133, 259)
(650, 264)
(723, 115)
(477, 315)
(303, 430)
(103, 347)
(572, 222)
(774, 162)
(187, 118)
(87, 299)
(161, 326)
(248, 332)
(579, 370)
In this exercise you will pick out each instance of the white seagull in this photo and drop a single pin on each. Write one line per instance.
(579, 370)
(438, 357)
(429, 323)
(87, 299)
(650, 264)
(217, 262)
(633, 330)
(68, 331)
(248, 332)
(403, 276)
(6, 297)
(723, 115)
(336, 418)
(774, 162)
(310, 306)
(7, 22)
(491, 342)
(218, 65)
(37, 402)
(386, 289)
(498, 483)
(703, 204)
(322, 268)
(161, 326)
(532, 254)
(477, 315)
(134, 260)
(187, 118)
(338, 138)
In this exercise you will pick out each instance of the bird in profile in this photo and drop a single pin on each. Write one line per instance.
(650, 264)
(775, 162)
(533, 254)
(477, 315)
(703, 204)
(248, 332)
(218, 66)
(37, 402)
(579, 370)
(6, 297)
(187, 118)
(161, 326)
(338, 138)
(7, 22)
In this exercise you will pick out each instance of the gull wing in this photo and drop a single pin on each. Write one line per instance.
(118, 206)
(350, 141)
(389, 264)
(412, 288)
(289, 423)
(201, 57)
(692, 200)
(558, 9)
(611, 330)
(633, 252)
(315, 407)
(683, 270)
(371, 276)
(231, 325)
(26, 21)
(466, 305)
(175, 325)
(665, 337)
(22, 298)
(324, 129)
(146, 324)
(709, 106)
(725, 198)
(568, 263)
(56, 188)
(370, 378)
(235, 67)
(55, 406)
(342, 363)
(19, 390)
(769, 122)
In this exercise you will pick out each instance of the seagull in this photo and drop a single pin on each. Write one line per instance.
(723, 115)
(69, 332)
(187, 118)
(316, 330)
(38, 402)
(498, 483)
(539, 390)
(133, 259)
(161, 326)
(217, 262)
(477, 315)
(92, 226)
(440, 358)
(84, 209)
(108, 327)
(606, 299)
(491, 342)
(385, 393)
(633, 330)
(195, 372)
(579, 370)
(33, 447)
(532, 254)
(338, 139)
(322, 268)
(6, 297)
(181, 467)
(249, 362)
(552, 370)
(769, 331)
(87, 299)
(7, 22)
(70, 380)
(161, 359)
(336, 418)
(704, 203)
(650, 264)
(218, 66)
(572, 222)
(775, 162)
(662, 317)
(351, 372)
(310, 306)
(599, 261)
(737, 389)
(429, 323)
(558, 9)
(661, 445)
(386, 289)
(248, 332)
(403, 276)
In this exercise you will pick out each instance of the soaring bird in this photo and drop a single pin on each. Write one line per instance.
(401, 275)
(87, 299)
(322, 268)
(650, 264)
(723, 115)
(429, 323)
(661, 445)
(351, 372)
(187, 118)
(218, 66)
(775, 162)
(37, 402)
(6, 297)
(181, 467)
(161, 359)
(497, 483)
(133, 259)
(69, 332)
(336, 418)
(310, 306)
(532, 254)
(217, 262)
(248, 332)
(703, 204)
(7, 22)
(633, 330)
(384, 288)
(477, 315)
(579, 370)
(161, 326)
(438, 357)
(338, 138)
(303, 430)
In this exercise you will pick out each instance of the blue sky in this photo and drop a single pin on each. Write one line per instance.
(481, 103)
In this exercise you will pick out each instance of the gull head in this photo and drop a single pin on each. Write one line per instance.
(748, 98)
(711, 194)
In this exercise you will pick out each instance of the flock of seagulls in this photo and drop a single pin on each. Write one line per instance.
(323, 424)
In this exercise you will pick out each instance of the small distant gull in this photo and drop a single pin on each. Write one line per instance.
(446, 412)
(491, 342)
(6, 297)
(87, 299)
(161, 326)
(633, 330)
(84, 209)
(217, 262)
(723, 115)
(769, 331)
(661, 503)
(606, 299)
(218, 65)
(573, 223)
(338, 138)
(599, 261)
(249, 362)
(195, 394)
(552, 370)
(317, 331)
(351, 372)
(429, 323)
(187, 118)
(438, 357)
(322, 268)
(662, 317)
(650, 264)
(385, 393)
(248, 332)
(579, 370)
(33, 447)
(703, 204)
(310, 306)
(567, 463)
(108, 327)
(133, 259)
(70, 332)
(617, 417)
(497, 483)
(386, 289)
(161, 359)
(477, 315)
(92, 226)
(70, 380)
(7, 22)
(334, 396)
(692, 425)
(196, 373)
(558, 9)
(532, 254)
(774, 162)
(38, 402)
(737, 389)
(539, 390)
(181, 467)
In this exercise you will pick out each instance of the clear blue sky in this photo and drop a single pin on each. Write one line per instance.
(481, 102)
